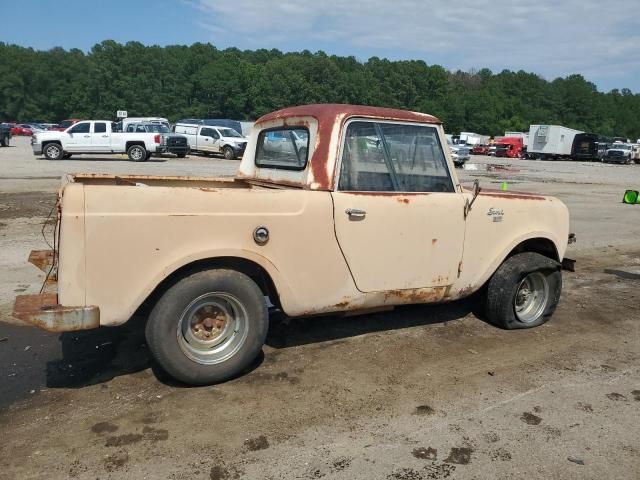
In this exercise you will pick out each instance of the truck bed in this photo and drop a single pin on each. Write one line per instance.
(154, 180)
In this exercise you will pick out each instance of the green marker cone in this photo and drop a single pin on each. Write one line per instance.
(630, 196)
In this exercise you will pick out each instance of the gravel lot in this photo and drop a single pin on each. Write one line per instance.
(423, 392)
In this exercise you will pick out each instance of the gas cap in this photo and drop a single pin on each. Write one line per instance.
(261, 235)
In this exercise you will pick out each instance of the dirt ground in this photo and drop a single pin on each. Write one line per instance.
(423, 392)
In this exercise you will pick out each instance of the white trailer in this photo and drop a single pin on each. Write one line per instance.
(471, 139)
(550, 141)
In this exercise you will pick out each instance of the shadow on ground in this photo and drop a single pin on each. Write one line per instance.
(80, 359)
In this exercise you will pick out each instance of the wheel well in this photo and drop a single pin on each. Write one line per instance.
(242, 265)
(44, 144)
(131, 144)
(543, 246)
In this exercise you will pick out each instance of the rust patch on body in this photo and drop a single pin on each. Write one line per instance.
(434, 241)
(415, 295)
(511, 195)
(43, 311)
(43, 259)
(404, 200)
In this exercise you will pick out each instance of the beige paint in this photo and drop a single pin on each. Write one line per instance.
(119, 241)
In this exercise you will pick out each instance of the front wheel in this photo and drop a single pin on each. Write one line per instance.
(137, 153)
(208, 327)
(53, 151)
(228, 153)
(181, 155)
(523, 292)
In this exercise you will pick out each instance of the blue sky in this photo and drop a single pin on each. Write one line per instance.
(600, 41)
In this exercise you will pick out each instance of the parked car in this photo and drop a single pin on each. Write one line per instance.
(459, 153)
(480, 149)
(95, 137)
(350, 230)
(210, 139)
(169, 142)
(619, 153)
(5, 134)
(64, 124)
(21, 130)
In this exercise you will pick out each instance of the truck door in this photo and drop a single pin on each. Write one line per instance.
(100, 138)
(398, 218)
(217, 140)
(79, 139)
(205, 139)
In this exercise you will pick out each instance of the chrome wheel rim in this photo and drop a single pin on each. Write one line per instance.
(53, 151)
(136, 153)
(213, 328)
(531, 297)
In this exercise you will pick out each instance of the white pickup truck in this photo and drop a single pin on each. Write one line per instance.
(94, 137)
(211, 139)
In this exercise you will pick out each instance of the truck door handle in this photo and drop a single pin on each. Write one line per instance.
(355, 213)
(105, 136)
(87, 136)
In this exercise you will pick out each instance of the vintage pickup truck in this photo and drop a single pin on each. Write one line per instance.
(367, 215)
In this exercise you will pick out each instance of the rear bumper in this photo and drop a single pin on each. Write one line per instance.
(177, 150)
(43, 311)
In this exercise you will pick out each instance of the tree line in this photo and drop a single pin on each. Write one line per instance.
(204, 82)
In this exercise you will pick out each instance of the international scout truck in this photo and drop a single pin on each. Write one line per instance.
(361, 210)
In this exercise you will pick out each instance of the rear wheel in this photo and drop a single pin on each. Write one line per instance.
(53, 151)
(228, 153)
(181, 155)
(523, 292)
(208, 327)
(137, 153)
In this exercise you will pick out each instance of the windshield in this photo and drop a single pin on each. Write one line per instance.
(620, 146)
(229, 132)
(66, 123)
(157, 128)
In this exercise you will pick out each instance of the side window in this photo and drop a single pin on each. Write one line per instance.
(215, 134)
(82, 127)
(393, 157)
(285, 148)
(364, 167)
(99, 127)
(141, 129)
(131, 128)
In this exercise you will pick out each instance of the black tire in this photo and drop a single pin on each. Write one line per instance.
(179, 304)
(66, 156)
(228, 153)
(509, 284)
(181, 155)
(53, 151)
(137, 153)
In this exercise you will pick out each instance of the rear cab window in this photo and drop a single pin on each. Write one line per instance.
(285, 148)
(393, 157)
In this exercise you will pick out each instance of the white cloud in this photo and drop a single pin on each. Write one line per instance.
(547, 37)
